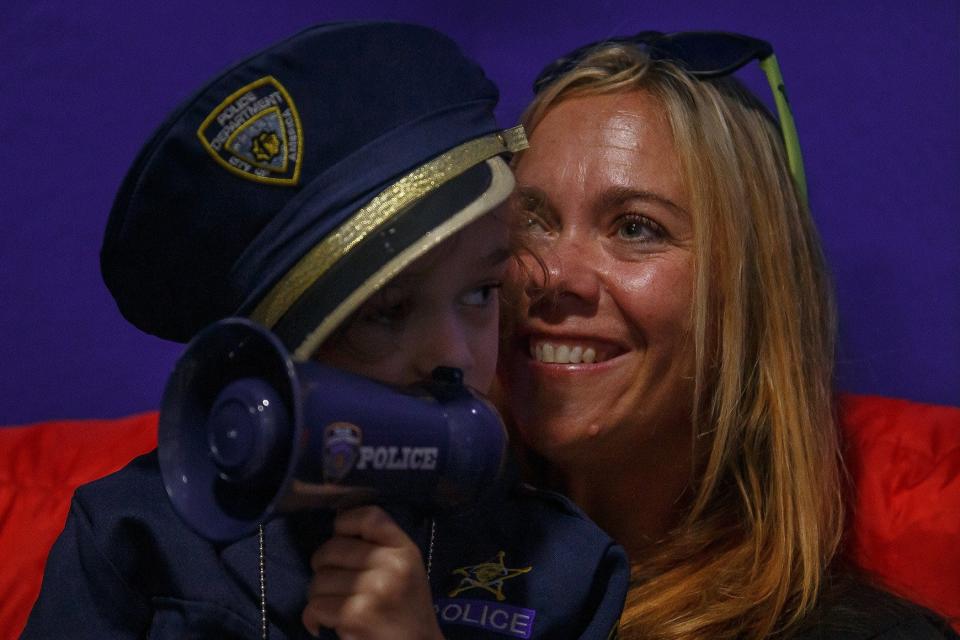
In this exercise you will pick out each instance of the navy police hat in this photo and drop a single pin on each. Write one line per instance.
(298, 182)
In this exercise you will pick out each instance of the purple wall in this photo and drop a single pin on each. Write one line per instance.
(876, 92)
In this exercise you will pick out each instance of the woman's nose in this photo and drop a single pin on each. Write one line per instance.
(567, 274)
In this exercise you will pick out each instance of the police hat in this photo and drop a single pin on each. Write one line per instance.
(301, 180)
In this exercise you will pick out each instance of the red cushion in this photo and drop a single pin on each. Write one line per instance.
(40, 466)
(904, 460)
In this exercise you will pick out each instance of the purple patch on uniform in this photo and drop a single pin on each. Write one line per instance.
(505, 619)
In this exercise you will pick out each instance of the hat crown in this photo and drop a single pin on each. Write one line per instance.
(271, 155)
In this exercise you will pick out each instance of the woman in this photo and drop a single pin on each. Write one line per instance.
(671, 361)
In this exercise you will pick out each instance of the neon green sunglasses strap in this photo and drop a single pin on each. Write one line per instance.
(787, 126)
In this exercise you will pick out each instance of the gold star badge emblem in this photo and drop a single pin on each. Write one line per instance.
(488, 576)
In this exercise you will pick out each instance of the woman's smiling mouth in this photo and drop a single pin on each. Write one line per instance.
(571, 350)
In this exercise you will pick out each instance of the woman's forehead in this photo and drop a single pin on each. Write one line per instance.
(598, 147)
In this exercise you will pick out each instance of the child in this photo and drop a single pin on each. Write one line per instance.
(334, 188)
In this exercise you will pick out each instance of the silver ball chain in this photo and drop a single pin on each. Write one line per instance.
(264, 627)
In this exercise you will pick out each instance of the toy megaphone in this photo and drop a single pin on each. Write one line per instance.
(246, 432)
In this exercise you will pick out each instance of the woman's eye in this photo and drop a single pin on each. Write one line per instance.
(531, 223)
(480, 296)
(639, 228)
(528, 214)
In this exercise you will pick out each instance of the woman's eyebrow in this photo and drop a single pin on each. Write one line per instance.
(616, 196)
(534, 194)
(611, 197)
(534, 200)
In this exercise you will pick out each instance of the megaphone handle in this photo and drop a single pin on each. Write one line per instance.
(419, 526)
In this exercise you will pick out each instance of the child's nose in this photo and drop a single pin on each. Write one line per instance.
(443, 343)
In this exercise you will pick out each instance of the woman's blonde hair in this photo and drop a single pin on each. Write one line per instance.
(749, 558)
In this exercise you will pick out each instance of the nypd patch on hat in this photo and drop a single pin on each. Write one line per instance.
(256, 133)
(297, 182)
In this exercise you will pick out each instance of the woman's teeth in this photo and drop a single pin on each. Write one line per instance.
(562, 354)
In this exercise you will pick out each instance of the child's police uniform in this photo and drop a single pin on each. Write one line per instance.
(520, 565)
(289, 189)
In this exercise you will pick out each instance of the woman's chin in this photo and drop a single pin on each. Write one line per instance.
(558, 438)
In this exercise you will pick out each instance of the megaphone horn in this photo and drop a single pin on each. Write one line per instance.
(246, 432)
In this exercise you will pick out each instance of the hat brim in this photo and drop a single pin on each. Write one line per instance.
(326, 303)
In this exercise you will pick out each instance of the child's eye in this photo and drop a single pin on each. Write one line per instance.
(480, 296)
(637, 228)
(387, 308)
(387, 316)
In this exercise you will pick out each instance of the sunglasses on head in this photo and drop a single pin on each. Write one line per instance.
(702, 54)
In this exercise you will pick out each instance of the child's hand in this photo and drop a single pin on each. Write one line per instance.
(369, 581)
